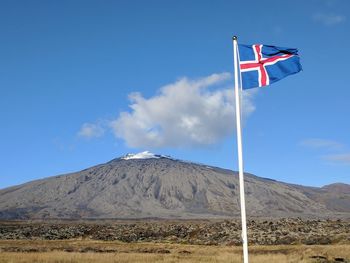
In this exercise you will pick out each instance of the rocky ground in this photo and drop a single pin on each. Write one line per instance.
(223, 232)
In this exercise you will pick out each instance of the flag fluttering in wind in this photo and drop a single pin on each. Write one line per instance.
(257, 66)
(262, 65)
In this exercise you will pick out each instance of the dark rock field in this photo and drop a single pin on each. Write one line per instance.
(211, 232)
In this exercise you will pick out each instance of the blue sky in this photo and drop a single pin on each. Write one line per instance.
(70, 70)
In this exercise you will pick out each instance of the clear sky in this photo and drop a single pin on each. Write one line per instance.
(70, 70)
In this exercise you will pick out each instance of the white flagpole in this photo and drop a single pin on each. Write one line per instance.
(237, 76)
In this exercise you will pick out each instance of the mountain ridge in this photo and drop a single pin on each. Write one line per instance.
(156, 186)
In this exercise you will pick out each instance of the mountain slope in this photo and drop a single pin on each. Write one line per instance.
(157, 186)
(335, 197)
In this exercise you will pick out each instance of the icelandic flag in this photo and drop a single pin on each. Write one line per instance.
(262, 65)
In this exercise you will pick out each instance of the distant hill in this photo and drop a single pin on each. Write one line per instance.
(154, 186)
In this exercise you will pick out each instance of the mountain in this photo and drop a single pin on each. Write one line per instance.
(146, 185)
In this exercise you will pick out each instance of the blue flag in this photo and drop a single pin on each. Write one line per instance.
(262, 65)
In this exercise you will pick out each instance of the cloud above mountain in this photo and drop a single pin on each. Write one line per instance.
(91, 130)
(333, 152)
(329, 19)
(186, 113)
(317, 143)
(341, 158)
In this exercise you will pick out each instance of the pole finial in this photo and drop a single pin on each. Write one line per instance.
(234, 38)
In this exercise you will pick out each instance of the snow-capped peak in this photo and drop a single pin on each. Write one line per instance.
(143, 155)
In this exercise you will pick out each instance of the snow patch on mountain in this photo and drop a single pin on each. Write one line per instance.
(143, 155)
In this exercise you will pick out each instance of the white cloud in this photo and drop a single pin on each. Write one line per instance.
(183, 114)
(336, 153)
(322, 143)
(91, 130)
(329, 19)
(342, 158)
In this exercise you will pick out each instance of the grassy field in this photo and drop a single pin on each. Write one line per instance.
(79, 251)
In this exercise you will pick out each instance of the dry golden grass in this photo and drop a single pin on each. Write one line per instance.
(56, 252)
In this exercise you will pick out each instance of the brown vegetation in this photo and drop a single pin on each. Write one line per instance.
(78, 251)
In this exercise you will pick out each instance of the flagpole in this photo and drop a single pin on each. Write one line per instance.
(237, 76)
